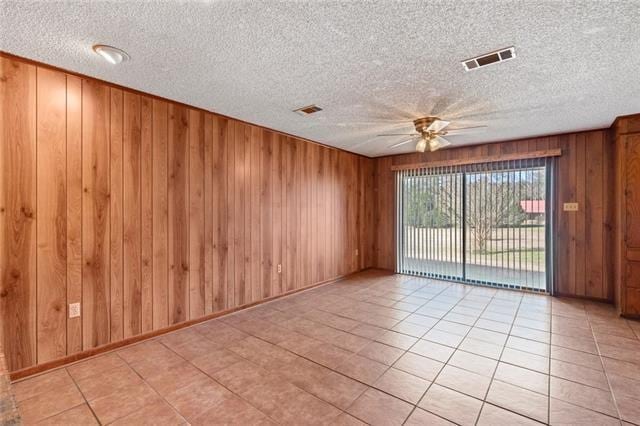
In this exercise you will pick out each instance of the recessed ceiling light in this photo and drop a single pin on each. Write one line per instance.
(111, 54)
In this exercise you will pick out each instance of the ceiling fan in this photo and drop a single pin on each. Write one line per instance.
(430, 132)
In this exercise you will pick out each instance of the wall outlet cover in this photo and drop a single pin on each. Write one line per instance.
(74, 310)
(570, 207)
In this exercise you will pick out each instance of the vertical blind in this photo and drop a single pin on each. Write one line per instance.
(481, 223)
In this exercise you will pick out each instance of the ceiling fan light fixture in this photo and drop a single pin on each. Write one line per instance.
(111, 54)
(421, 146)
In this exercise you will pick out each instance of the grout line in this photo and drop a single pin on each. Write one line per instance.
(83, 397)
(604, 370)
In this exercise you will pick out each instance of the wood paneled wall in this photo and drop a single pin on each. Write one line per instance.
(626, 136)
(584, 174)
(150, 213)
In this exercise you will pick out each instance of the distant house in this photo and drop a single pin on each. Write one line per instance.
(534, 210)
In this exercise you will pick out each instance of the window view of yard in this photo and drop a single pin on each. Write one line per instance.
(504, 219)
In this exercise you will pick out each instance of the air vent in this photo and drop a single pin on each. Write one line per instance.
(308, 110)
(489, 58)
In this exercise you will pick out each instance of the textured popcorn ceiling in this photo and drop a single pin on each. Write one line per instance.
(372, 66)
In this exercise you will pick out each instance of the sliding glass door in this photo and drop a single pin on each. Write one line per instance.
(481, 223)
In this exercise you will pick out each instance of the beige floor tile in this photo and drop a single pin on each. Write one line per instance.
(43, 383)
(80, 415)
(629, 409)
(378, 408)
(156, 413)
(451, 405)
(621, 368)
(425, 368)
(176, 377)
(124, 402)
(583, 359)
(382, 353)
(580, 374)
(525, 359)
(107, 382)
(531, 334)
(475, 363)
(420, 417)
(411, 329)
(480, 347)
(452, 327)
(522, 377)
(49, 403)
(432, 350)
(232, 411)
(563, 413)
(362, 369)
(526, 345)
(583, 396)
(215, 360)
(84, 369)
(519, 400)
(328, 355)
(487, 336)
(496, 416)
(346, 419)
(443, 337)
(402, 385)
(398, 340)
(584, 344)
(338, 390)
(624, 386)
(464, 381)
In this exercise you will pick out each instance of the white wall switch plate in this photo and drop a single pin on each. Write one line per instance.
(570, 207)
(74, 310)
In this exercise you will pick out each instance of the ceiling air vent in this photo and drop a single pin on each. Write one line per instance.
(308, 110)
(489, 58)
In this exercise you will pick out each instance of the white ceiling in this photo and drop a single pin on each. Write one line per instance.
(372, 65)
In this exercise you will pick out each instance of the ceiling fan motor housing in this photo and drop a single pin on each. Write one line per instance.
(421, 124)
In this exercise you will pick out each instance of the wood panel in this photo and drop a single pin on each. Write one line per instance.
(178, 200)
(582, 238)
(132, 229)
(218, 214)
(51, 232)
(116, 204)
(95, 215)
(197, 293)
(74, 209)
(18, 212)
(160, 215)
(146, 213)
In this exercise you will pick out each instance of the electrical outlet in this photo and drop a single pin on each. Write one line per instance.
(570, 207)
(74, 310)
(356, 252)
(279, 268)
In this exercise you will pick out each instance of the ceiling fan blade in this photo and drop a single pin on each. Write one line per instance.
(438, 142)
(399, 134)
(402, 143)
(437, 126)
(465, 130)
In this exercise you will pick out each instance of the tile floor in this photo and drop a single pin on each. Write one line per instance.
(378, 349)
